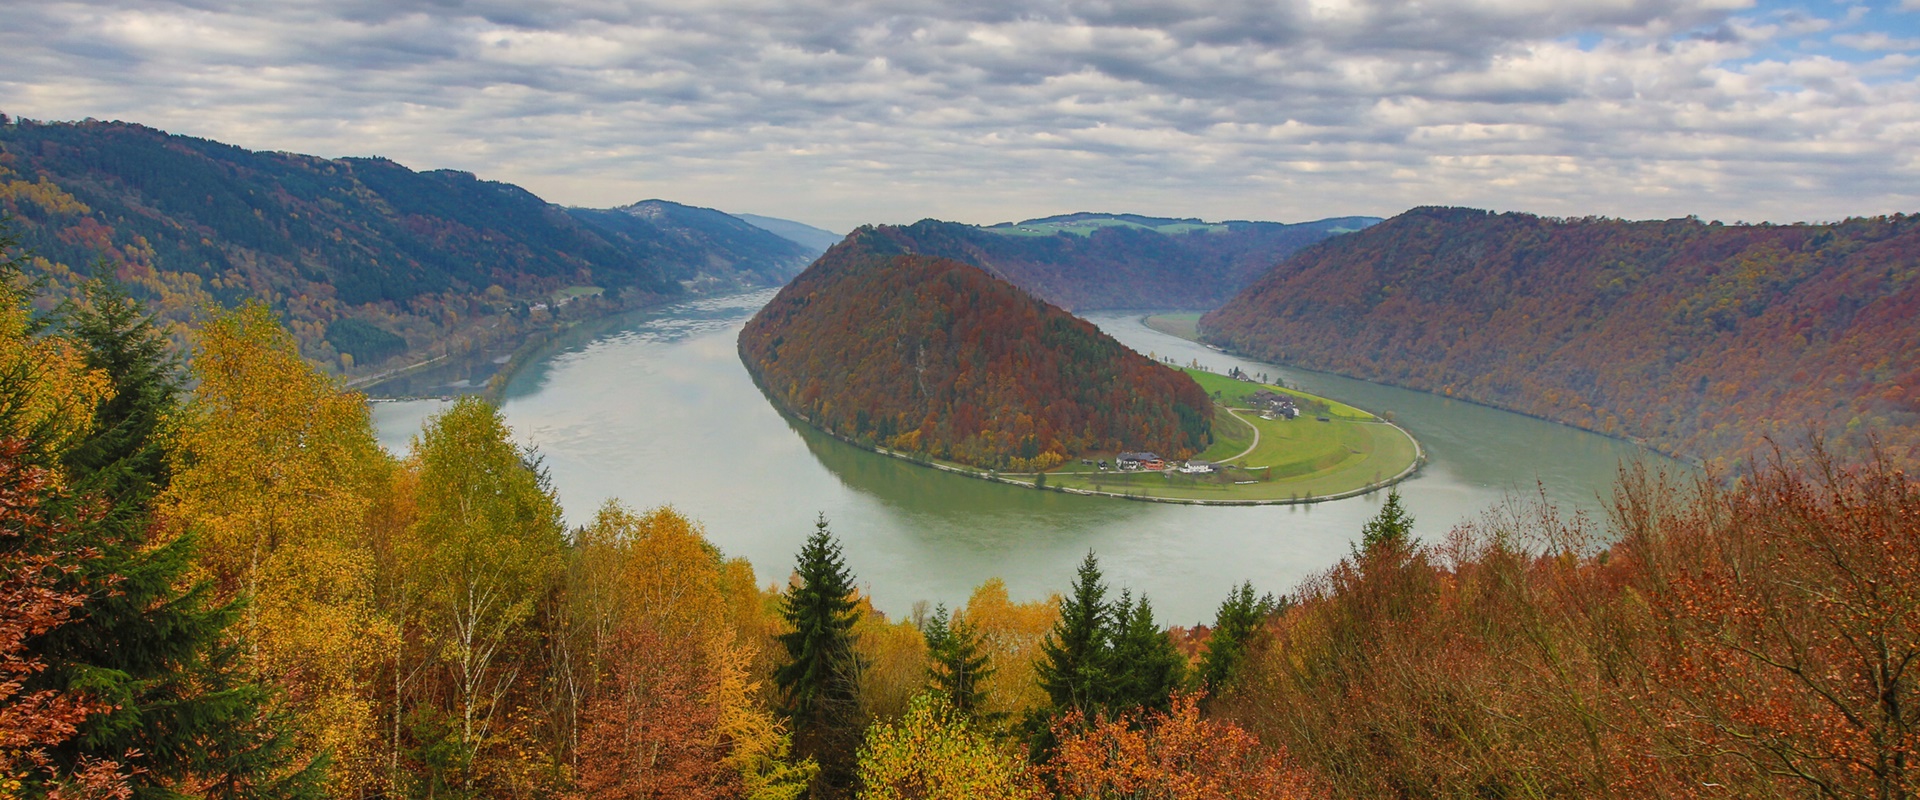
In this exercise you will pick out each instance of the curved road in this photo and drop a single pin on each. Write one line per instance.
(1256, 437)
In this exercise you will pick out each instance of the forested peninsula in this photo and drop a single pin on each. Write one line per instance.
(1701, 339)
(932, 356)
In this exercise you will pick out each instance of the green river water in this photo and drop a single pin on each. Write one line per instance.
(657, 410)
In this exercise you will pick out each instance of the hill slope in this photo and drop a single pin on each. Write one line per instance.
(1700, 338)
(1093, 261)
(935, 356)
(700, 245)
(350, 250)
(816, 240)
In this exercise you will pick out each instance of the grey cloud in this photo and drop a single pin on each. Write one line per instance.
(847, 112)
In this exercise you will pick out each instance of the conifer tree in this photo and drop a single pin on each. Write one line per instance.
(1147, 669)
(1392, 528)
(960, 668)
(1075, 660)
(819, 684)
(1234, 626)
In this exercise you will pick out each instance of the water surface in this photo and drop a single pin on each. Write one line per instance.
(660, 411)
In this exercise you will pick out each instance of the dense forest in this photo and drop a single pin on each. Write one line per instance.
(218, 586)
(1122, 265)
(364, 258)
(930, 355)
(1699, 338)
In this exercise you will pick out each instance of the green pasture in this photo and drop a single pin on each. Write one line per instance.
(1295, 460)
(1231, 390)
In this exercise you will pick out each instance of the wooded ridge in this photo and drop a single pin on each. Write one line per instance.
(930, 355)
(1701, 339)
(366, 260)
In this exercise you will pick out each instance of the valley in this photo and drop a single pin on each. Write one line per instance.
(661, 410)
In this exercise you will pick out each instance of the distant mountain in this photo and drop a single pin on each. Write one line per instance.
(932, 355)
(363, 256)
(815, 239)
(1700, 338)
(705, 245)
(1093, 261)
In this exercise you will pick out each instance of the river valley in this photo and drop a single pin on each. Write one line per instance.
(659, 410)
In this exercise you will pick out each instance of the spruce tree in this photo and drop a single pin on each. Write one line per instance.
(1147, 668)
(1392, 528)
(1076, 657)
(959, 667)
(819, 684)
(1234, 626)
(156, 647)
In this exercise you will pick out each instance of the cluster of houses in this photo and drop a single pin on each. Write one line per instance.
(1149, 462)
(1274, 405)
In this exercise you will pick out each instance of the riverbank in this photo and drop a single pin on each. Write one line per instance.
(1303, 461)
(1185, 325)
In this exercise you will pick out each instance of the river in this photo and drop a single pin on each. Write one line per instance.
(658, 410)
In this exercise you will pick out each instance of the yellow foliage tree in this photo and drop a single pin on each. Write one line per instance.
(1012, 633)
(931, 753)
(656, 575)
(48, 388)
(275, 469)
(895, 659)
(485, 549)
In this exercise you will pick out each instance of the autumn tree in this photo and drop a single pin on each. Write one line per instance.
(894, 662)
(1011, 635)
(670, 708)
(1785, 626)
(487, 547)
(933, 752)
(1170, 755)
(275, 473)
(37, 551)
(819, 683)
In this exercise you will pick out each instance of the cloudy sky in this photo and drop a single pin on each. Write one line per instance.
(840, 112)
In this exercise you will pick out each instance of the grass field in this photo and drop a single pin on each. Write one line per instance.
(1185, 325)
(1295, 459)
(1230, 390)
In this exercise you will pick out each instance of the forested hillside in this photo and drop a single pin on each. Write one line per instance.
(364, 258)
(931, 355)
(1698, 338)
(1092, 261)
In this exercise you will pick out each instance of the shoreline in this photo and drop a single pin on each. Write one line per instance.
(995, 476)
(1684, 458)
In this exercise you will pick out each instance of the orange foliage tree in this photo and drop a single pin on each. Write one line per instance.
(31, 563)
(1172, 755)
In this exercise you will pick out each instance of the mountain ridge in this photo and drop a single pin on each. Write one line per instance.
(442, 260)
(1121, 265)
(1701, 339)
